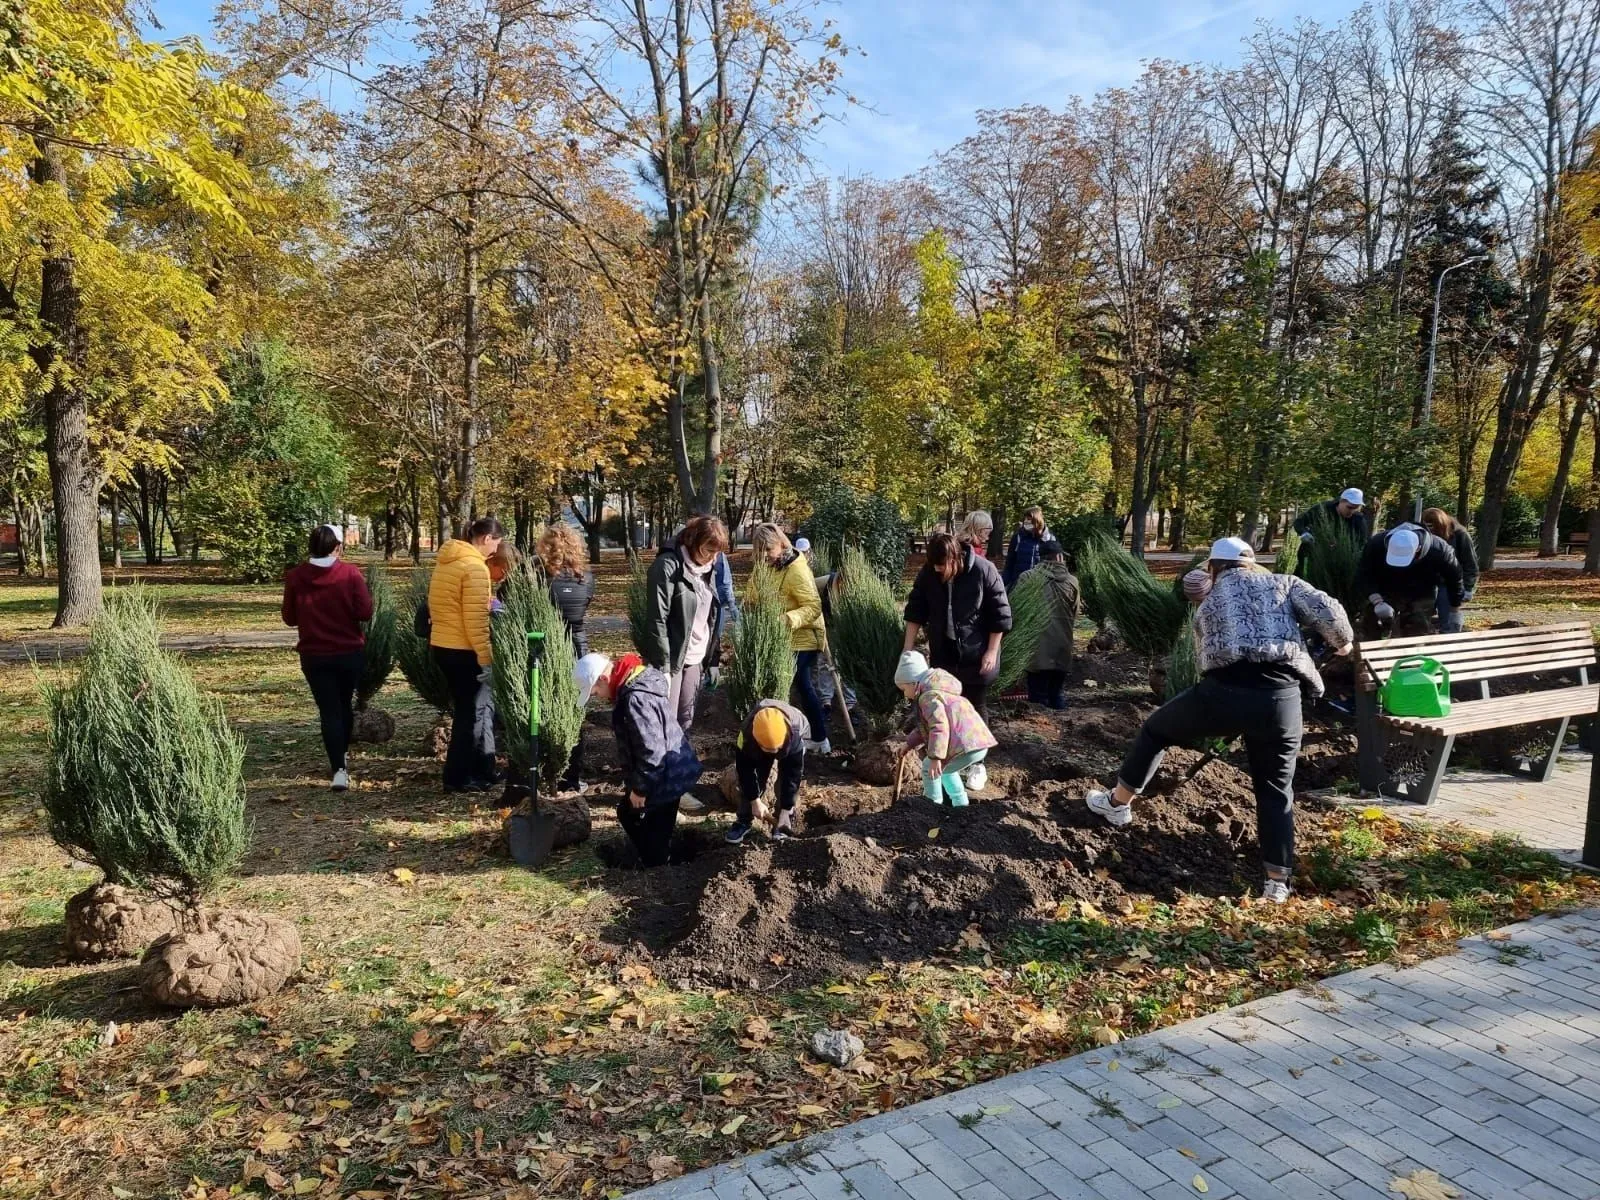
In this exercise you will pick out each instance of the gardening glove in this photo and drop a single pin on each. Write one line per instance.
(1466, 597)
(486, 676)
(1384, 612)
(1306, 538)
(713, 677)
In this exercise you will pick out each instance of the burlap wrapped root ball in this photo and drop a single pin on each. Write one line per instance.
(373, 725)
(240, 957)
(110, 921)
(876, 763)
(728, 784)
(572, 818)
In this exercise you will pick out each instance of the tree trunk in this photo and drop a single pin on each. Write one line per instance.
(466, 475)
(74, 474)
(1550, 528)
(1180, 506)
(390, 516)
(116, 528)
(1591, 552)
(1139, 502)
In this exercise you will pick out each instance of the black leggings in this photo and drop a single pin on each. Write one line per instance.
(1268, 719)
(649, 829)
(470, 759)
(334, 679)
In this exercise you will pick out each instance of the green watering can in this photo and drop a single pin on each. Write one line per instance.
(1417, 687)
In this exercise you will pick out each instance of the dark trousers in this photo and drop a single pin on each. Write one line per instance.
(1269, 721)
(334, 679)
(754, 766)
(1048, 688)
(649, 829)
(974, 683)
(470, 759)
(805, 662)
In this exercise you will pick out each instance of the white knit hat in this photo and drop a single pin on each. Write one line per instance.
(589, 671)
(912, 668)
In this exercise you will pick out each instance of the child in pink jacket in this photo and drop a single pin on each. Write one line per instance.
(948, 728)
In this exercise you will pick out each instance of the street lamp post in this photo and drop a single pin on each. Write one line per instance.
(1427, 384)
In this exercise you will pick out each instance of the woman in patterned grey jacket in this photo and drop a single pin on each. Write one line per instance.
(1254, 666)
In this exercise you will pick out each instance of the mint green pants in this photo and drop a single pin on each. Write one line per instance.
(936, 787)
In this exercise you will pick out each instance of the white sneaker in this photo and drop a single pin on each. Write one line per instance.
(690, 806)
(341, 780)
(822, 747)
(977, 777)
(1276, 891)
(1115, 814)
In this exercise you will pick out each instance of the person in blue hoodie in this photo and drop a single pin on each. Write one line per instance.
(1027, 546)
(658, 763)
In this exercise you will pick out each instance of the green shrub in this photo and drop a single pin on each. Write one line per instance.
(528, 606)
(412, 654)
(866, 636)
(1183, 664)
(1331, 560)
(638, 602)
(870, 523)
(1288, 560)
(1075, 536)
(1147, 613)
(381, 636)
(144, 775)
(1030, 616)
(763, 650)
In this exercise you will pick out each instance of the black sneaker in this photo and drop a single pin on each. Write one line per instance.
(736, 832)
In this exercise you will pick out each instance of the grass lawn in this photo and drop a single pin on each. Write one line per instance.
(466, 1028)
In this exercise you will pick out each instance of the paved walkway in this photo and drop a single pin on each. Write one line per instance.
(1483, 1066)
(1547, 816)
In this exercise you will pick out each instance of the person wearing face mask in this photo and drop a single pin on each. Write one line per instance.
(958, 601)
(327, 600)
(1027, 546)
(458, 603)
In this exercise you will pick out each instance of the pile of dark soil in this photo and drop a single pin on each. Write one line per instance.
(869, 883)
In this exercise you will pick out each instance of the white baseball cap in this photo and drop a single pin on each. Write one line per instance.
(802, 544)
(1353, 496)
(587, 673)
(1402, 547)
(1232, 549)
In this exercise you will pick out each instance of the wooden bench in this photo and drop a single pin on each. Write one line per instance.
(1473, 658)
(1578, 539)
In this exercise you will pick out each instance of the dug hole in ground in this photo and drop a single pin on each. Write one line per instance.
(869, 882)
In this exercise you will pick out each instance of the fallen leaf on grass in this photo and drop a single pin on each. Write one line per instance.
(1497, 935)
(902, 1049)
(195, 1066)
(810, 1110)
(1106, 1036)
(275, 1140)
(1424, 1185)
(402, 875)
(422, 1041)
(732, 1127)
(934, 832)
(664, 1166)
(1372, 813)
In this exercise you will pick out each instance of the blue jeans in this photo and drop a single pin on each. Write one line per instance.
(936, 787)
(1450, 619)
(810, 703)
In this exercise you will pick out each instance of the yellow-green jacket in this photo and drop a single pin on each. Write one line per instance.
(458, 600)
(802, 606)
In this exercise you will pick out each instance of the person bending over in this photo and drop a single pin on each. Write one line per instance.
(946, 727)
(1401, 574)
(1254, 666)
(774, 735)
(658, 763)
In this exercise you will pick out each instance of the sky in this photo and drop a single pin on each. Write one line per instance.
(930, 65)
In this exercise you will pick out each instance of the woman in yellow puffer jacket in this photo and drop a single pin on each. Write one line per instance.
(802, 610)
(458, 606)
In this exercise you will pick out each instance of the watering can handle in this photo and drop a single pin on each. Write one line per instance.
(1419, 660)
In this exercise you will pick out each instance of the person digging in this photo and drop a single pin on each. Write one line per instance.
(774, 734)
(658, 763)
(946, 727)
(1403, 574)
(1254, 667)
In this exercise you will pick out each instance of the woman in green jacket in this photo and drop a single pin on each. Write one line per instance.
(802, 612)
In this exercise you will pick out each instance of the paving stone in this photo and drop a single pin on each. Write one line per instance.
(947, 1164)
(871, 1183)
(928, 1186)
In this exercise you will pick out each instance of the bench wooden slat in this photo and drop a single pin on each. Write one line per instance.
(1474, 716)
(1471, 643)
(1485, 655)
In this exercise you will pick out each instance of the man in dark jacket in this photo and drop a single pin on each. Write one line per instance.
(658, 763)
(1347, 509)
(1052, 657)
(959, 601)
(1401, 574)
(774, 734)
(1027, 546)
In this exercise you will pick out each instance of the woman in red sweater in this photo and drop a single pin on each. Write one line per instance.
(326, 598)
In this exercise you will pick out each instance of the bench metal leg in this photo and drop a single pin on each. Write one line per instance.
(1371, 740)
(1542, 771)
(1426, 789)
